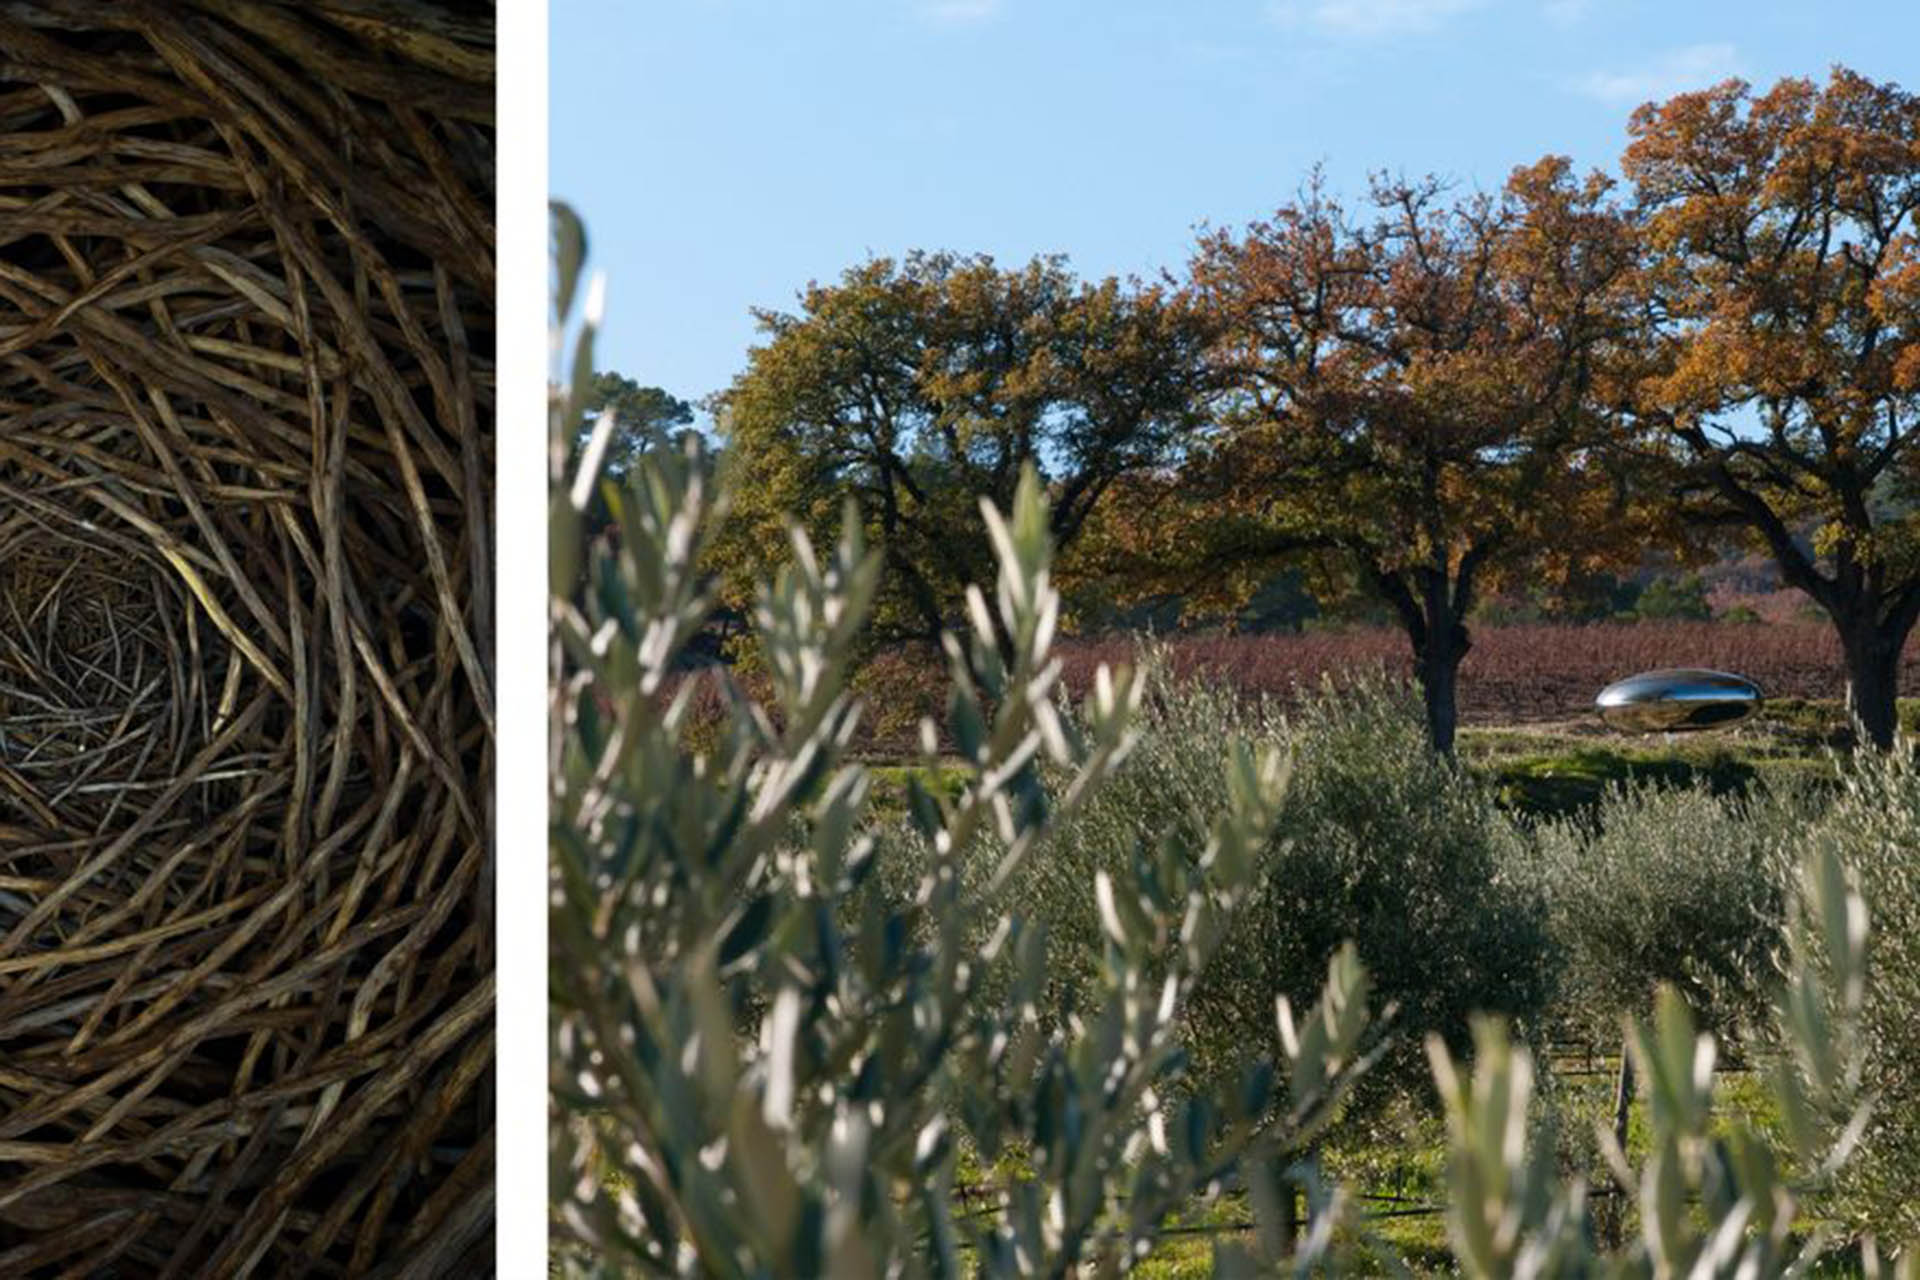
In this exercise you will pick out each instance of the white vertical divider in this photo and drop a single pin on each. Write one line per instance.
(520, 854)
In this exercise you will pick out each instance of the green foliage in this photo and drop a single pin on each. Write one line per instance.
(1388, 843)
(1380, 841)
(1668, 599)
(779, 1093)
(1282, 603)
(1588, 594)
(1674, 886)
(1714, 1200)
(924, 384)
(1685, 888)
(644, 419)
(772, 1055)
(1874, 826)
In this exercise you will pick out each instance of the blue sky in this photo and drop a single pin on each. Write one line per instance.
(726, 152)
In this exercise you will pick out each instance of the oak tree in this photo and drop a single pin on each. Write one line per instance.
(1414, 391)
(924, 384)
(1783, 286)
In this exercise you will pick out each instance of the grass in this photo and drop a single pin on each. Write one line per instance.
(890, 782)
(1555, 770)
(1399, 1172)
(1406, 1170)
(1561, 783)
(1558, 769)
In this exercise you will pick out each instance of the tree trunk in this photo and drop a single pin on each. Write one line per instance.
(1611, 1214)
(1439, 673)
(1623, 1097)
(1873, 681)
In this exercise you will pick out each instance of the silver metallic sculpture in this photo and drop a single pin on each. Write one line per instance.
(1674, 701)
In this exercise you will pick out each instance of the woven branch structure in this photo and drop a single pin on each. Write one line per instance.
(246, 405)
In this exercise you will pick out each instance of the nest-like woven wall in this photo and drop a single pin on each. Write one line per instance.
(246, 405)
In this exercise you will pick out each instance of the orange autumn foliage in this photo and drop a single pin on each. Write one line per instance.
(1782, 367)
(1415, 392)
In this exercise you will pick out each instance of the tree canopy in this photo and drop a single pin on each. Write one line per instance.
(921, 385)
(1782, 363)
(1413, 391)
(645, 418)
(1430, 399)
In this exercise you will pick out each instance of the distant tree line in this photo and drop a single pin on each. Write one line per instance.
(1428, 398)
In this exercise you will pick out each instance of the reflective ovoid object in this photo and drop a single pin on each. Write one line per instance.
(1677, 700)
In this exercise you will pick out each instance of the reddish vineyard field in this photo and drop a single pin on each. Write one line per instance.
(1513, 675)
(1516, 674)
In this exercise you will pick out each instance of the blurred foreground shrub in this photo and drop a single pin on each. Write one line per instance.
(1874, 827)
